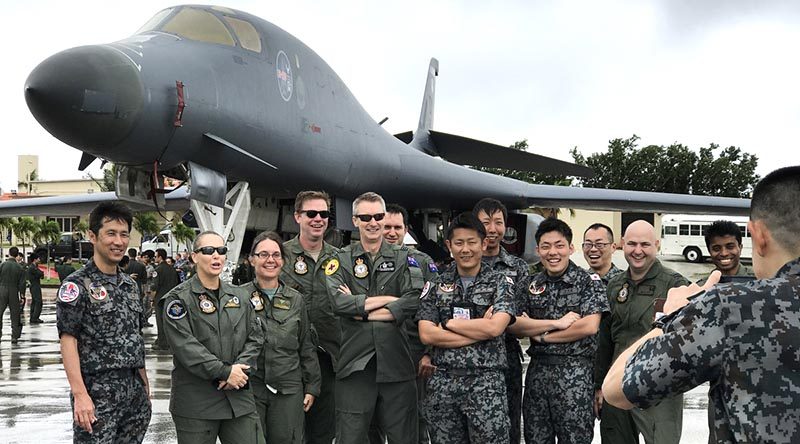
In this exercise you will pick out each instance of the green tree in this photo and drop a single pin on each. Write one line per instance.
(732, 174)
(46, 232)
(146, 223)
(81, 227)
(6, 223)
(24, 228)
(527, 176)
(183, 234)
(27, 181)
(109, 180)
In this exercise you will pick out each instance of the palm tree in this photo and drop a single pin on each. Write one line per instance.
(5, 224)
(47, 232)
(145, 223)
(81, 227)
(23, 229)
(183, 234)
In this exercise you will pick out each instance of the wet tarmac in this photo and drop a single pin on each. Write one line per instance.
(34, 394)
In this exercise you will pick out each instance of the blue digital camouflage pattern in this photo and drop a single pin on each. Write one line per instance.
(745, 339)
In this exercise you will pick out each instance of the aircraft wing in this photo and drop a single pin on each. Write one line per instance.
(79, 204)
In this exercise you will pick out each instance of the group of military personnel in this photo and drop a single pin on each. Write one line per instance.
(371, 342)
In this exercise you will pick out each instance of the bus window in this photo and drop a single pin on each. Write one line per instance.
(248, 36)
(196, 24)
(684, 230)
(670, 231)
(694, 230)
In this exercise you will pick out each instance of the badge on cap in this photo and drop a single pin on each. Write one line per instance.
(360, 269)
(300, 265)
(206, 306)
(447, 288)
(257, 301)
(623, 294)
(331, 267)
(232, 302)
(534, 289)
(425, 289)
(176, 310)
(412, 262)
(98, 292)
(68, 292)
(281, 303)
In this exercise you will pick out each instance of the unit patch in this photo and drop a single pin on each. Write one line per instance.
(300, 265)
(432, 268)
(68, 292)
(447, 288)
(331, 267)
(257, 301)
(206, 305)
(533, 289)
(232, 302)
(176, 310)
(98, 292)
(360, 269)
(425, 289)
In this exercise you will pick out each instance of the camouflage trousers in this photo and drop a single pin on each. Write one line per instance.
(467, 408)
(121, 406)
(559, 392)
(513, 377)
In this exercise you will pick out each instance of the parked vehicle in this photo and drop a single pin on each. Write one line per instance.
(70, 244)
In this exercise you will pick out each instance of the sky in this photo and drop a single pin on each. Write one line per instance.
(559, 74)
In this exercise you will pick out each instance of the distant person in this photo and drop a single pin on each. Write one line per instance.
(99, 319)
(636, 297)
(165, 279)
(12, 289)
(598, 250)
(34, 276)
(148, 259)
(64, 268)
(742, 338)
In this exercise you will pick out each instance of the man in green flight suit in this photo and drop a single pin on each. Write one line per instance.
(370, 287)
(306, 256)
(216, 337)
(12, 288)
(636, 297)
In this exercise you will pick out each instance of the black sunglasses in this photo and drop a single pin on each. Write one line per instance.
(208, 251)
(313, 213)
(368, 217)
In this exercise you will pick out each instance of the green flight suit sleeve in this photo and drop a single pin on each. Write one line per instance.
(255, 338)
(405, 307)
(22, 281)
(344, 305)
(605, 351)
(309, 364)
(186, 348)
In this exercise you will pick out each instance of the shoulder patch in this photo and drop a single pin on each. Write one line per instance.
(412, 262)
(595, 277)
(509, 280)
(331, 267)
(432, 267)
(68, 292)
(176, 310)
(425, 290)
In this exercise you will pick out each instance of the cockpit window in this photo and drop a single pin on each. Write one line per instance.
(153, 22)
(248, 36)
(196, 24)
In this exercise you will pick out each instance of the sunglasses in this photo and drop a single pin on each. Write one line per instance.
(313, 213)
(208, 251)
(368, 217)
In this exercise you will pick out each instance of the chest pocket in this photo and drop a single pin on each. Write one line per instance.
(536, 306)
(282, 330)
(482, 300)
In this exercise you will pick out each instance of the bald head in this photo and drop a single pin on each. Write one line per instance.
(640, 245)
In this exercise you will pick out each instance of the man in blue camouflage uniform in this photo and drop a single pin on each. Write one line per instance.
(742, 337)
(494, 215)
(598, 250)
(560, 310)
(100, 318)
(463, 317)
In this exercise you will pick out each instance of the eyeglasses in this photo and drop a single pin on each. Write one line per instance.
(208, 251)
(368, 217)
(263, 255)
(598, 245)
(313, 213)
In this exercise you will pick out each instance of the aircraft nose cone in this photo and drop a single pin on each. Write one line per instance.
(89, 97)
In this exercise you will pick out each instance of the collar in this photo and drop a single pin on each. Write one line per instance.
(294, 246)
(386, 250)
(198, 288)
(654, 270)
(791, 268)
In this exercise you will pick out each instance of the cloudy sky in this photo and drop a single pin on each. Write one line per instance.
(560, 74)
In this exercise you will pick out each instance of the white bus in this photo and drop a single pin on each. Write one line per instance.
(685, 235)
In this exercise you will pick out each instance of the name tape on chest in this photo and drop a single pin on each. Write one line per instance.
(387, 266)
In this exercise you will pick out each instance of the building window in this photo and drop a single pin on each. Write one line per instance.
(67, 224)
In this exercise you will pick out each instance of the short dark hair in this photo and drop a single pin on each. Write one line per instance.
(597, 226)
(111, 211)
(490, 206)
(774, 202)
(123, 263)
(553, 224)
(162, 253)
(467, 221)
(13, 252)
(722, 228)
(397, 209)
(267, 235)
(132, 253)
(310, 195)
(148, 253)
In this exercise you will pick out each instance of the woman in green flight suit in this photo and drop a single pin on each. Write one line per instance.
(288, 377)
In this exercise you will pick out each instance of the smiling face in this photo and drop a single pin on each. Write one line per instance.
(598, 248)
(466, 247)
(110, 242)
(495, 226)
(640, 247)
(210, 265)
(725, 252)
(267, 260)
(555, 250)
(372, 230)
(312, 228)
(393, 229)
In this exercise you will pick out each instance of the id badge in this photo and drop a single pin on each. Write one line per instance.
(463, 311)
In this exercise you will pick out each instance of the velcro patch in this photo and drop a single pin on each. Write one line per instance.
(595, 277)
(68, 292)
(432, 267)
(331, 267)
(425, 290)
(176, 310)
(412, 262)
(387, 266)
